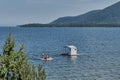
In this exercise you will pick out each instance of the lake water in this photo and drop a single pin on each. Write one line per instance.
(99, 50)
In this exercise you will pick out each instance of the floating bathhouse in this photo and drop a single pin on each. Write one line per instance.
(70, 50)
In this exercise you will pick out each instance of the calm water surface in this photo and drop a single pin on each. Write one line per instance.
(99, 50)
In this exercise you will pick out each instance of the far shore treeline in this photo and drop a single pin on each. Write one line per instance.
(69, 25)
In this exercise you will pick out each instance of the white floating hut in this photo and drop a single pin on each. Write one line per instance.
(70, 50)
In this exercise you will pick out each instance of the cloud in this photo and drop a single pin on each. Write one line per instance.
(38, 1)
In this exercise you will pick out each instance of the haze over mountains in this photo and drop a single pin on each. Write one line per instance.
(108, 15)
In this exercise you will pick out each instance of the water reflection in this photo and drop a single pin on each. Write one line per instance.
(73, 58)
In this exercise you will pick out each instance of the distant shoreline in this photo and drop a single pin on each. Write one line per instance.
(69, 25)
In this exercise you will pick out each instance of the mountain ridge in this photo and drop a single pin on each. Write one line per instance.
(108, 15)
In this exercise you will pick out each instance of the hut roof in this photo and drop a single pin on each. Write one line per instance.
(71, 46)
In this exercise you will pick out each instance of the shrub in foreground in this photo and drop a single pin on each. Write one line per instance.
(14, 64)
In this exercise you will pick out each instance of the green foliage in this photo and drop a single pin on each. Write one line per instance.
(14, 64)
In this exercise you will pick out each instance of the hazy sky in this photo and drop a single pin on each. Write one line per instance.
(15, 12)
